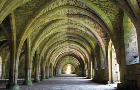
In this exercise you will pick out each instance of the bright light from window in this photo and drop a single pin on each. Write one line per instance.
(68, 69)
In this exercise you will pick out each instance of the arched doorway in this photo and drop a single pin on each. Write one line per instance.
(114, 73)
(68, 69)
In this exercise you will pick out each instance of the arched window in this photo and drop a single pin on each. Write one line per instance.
(102, 59)
(130, 40)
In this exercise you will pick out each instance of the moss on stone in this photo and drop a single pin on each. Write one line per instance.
(11, 86)
(25, 82)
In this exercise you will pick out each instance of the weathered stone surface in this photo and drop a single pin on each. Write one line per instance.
(99, 38)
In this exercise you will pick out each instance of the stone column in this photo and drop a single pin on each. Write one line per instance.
(42, 70)
(50, 71)
(47, 71)
(13, 70)
(110, 67)
(54, 71)
(3, 69)
(137, 25)
(28, 63)
(36, 76)
(83, 71)
(99, 71)
(89, 74)
(93, 67)
(106, 69)
(80, 70)
(89, 70)
(57, 71)
(76, 70)
(52, 74)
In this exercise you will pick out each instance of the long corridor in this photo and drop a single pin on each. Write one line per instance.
(66, 82)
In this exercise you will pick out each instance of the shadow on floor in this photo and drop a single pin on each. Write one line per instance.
(63, 82)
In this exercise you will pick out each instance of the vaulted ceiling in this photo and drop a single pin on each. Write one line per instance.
(60, 29)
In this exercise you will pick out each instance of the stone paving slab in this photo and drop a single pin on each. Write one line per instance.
(64, 82)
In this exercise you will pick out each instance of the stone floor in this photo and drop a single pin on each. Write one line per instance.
(63, 82)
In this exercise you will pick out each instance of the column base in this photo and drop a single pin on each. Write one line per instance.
(51, 76)
(88, 77)
(42, 80)
(47, 77)
(26, 82)
(12, 86)
(36, 81)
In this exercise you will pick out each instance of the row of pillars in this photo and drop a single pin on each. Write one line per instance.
(46, 70)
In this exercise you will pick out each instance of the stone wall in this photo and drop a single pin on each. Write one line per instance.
(132, 76)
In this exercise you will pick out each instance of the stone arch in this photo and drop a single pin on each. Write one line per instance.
(113, 66)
